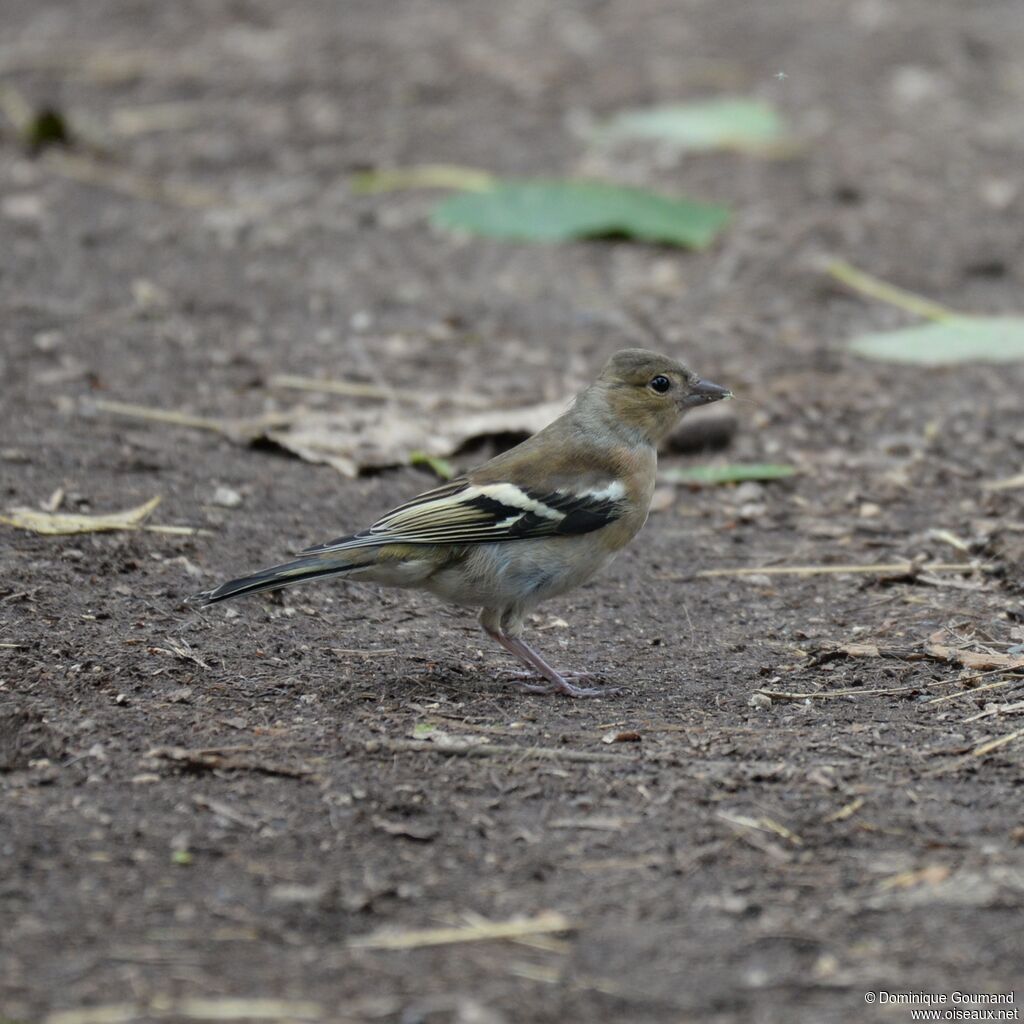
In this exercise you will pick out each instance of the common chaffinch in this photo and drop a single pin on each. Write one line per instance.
(531, 523)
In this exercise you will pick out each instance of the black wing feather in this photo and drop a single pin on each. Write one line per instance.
(462, 512)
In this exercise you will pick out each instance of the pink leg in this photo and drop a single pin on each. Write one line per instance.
(557, 682)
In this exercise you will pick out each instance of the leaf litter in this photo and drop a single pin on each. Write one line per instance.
(551, 210)
(741, 123)
(951, 338)
(361, 438)
(63, 524)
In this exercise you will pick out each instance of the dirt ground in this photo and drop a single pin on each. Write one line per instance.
(214, 806)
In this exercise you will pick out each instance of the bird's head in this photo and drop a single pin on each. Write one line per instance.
(647, 392)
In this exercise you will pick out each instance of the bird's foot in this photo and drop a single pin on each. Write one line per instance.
(562, 685)
(584, 691)
(526, 673)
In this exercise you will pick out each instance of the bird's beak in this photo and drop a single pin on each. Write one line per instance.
(703, 392)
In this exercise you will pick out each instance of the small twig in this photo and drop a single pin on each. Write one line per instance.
(497, 750)
(1007, 484)
(974, 690)
(544, 923)
(822, 695)
(142, 412)
(232, 429)
(998, 709)
(179, 531)
(223, 810)
(846, 811)
(875, 288)
(118, 179)
(357, 389)
(356, 653)
(220, 1009)
(987, 748)
(822, 570)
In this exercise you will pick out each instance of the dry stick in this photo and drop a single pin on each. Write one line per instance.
(875, 288)
(974, 689)
(229, 428)
(987, 748)
(142, 412)
(118, 179)
(824, 694)
(846, 811)
(161, 1007)
(498, 750)
(544, 923)
(822, 570)
(996, 709)
(358, 390)
(1006, 484)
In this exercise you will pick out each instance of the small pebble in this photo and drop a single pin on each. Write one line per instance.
(225, 497)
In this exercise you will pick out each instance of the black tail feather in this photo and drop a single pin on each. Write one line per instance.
(274, 578)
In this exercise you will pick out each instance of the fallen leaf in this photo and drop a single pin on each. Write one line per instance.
(441, 468)
(373, 438)
(628, 736)
(957, 339)
(726, 122)
(63, 524)
(556, 211)
(709, 476)
(355, 439)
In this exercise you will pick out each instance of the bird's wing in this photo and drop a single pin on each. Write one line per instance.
(464, 512)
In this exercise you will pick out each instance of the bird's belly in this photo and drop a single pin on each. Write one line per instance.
(518, 572)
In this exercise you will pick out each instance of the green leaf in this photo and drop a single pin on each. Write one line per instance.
(554, 211)
(708, 476)
(724, 123)
(440, 467)
(958, 339)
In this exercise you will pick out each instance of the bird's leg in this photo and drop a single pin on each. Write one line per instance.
(557, 682)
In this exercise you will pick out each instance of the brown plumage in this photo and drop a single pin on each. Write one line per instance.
(532, 523)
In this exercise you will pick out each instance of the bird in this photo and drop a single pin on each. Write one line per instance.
(531, 523)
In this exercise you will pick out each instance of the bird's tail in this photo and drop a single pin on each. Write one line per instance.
(300, 570)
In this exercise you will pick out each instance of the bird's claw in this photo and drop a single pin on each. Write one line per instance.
(563, 685)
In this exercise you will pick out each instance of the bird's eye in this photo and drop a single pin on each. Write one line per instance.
(661, 384)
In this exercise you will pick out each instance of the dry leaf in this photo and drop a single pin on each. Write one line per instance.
(358, 439)
(63, 524)
(355, 439)
(614, 736)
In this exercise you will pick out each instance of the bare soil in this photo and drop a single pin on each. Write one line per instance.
(215, 805)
